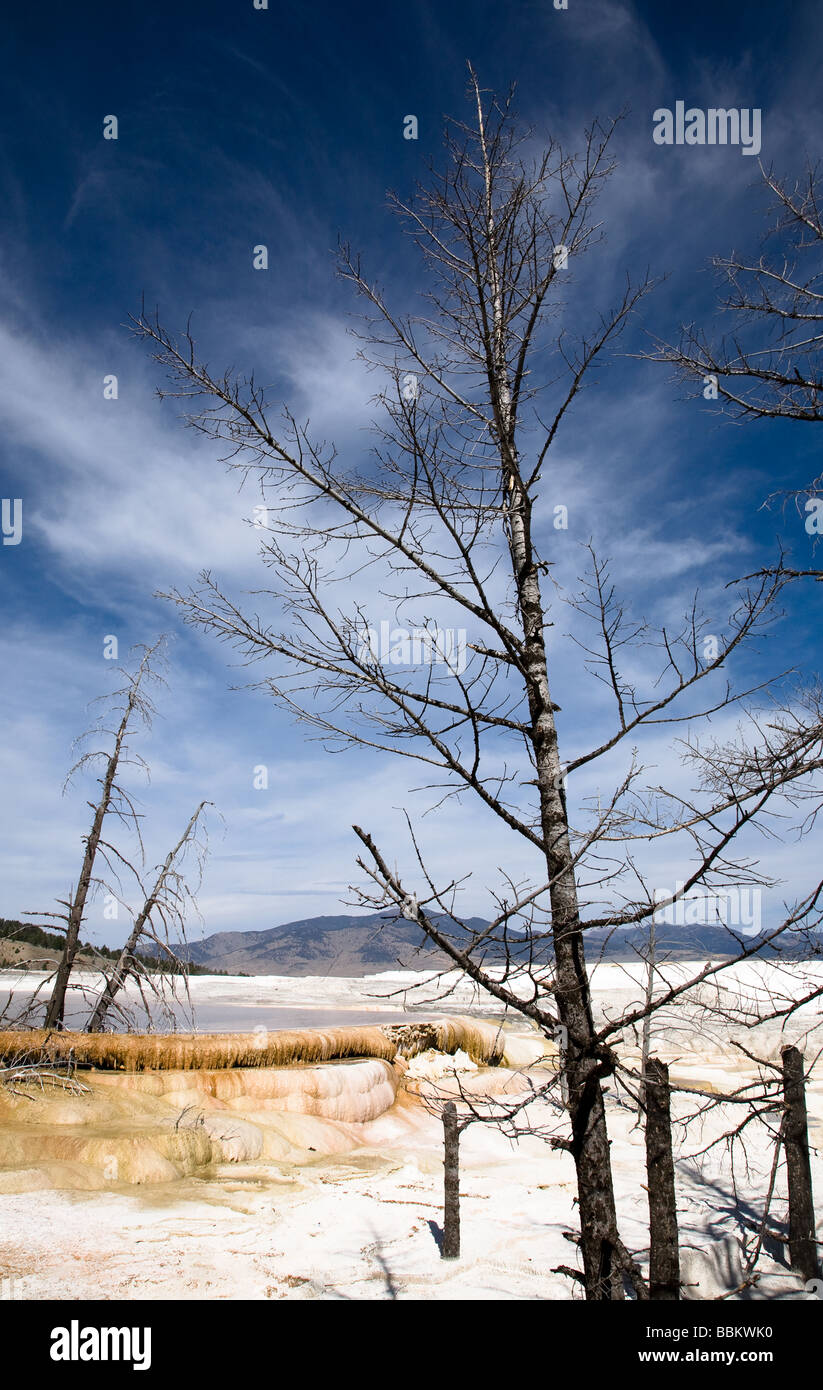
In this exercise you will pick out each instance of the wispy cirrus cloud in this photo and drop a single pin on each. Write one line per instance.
(120, 500)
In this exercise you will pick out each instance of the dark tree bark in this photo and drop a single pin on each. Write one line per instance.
(467, 435)
(802, 1231)
(583, 1068)
(451, 1182)
(57, 1003)
(664, 1259)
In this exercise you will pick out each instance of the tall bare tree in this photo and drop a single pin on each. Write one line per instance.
(133, 705)
(449, 514)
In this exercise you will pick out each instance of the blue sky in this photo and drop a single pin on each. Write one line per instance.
(285, 127)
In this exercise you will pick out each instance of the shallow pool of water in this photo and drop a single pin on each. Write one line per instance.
(218, 1016)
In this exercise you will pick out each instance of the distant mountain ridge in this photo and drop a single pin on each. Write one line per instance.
(368, 944)
(335, 945)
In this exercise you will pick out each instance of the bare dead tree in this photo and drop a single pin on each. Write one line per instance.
(451, 1182)
(160, 923)
(770, 364)
(162, 914)
(133, 705)
(25, 1069)
(477, 391)
(650, 954)
(733, 1130)
(802, 1229)
(664, 1259)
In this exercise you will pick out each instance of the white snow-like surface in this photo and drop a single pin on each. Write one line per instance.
(362, 1222)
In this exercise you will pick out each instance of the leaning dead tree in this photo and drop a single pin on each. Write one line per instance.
(134, 707)
(161, 920)
(149, 958)
(447, 530)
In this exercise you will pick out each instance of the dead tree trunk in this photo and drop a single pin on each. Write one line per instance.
(451, 1183)
(126, 961)
(77, 907)
(585, 1064)
(664, 1257)
(498, 263)
(646, 1044)
(802, 1230)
